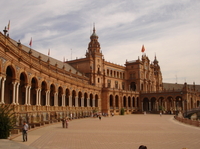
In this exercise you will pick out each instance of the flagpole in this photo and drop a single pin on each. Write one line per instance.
(30, 44)
(8, 28)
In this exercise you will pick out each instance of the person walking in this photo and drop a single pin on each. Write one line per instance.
(63, 123)
(24, 131)
(160, 113)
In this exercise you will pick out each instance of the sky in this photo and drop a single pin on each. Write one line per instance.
(169, 29)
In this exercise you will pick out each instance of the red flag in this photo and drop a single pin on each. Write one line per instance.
(143, 49)
(30, 43)
(8, 25)
(49, 52)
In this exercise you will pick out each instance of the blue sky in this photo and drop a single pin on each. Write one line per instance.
(168, 28)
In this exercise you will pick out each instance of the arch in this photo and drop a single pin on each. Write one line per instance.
(8, 90)
(96, 100)
(34, 86)
(145, 104)
(124, 101)
(161, 104)
(117, 101)
(129, 101)
(133, 101)
(60, 93)
(111, 101)
(169, 102)
(91, 98)
(52, 92)
(79, 98)
(179, 105)
(74, 98)
(138, 102)
(43, 93)
(153, 104)
(22, 89)
(85, 99)
(67, 94)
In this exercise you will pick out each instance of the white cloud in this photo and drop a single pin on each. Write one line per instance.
(168, 28)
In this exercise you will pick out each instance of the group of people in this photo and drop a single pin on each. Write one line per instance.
(65, 122)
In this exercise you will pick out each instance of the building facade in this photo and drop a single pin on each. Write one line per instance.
(44, 89)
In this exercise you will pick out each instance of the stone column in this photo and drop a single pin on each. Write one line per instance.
(14, 87)
(93, 102)
(2, 89)
(157, 108)
(47, 98)
(175, 105)
(76, 101)
(142, 105)
(82, 101)
(88, 102)
(26, 95)
(70, 101)
(39, 97)
(17, 93)
(165, 105)
(55, 99)
(29, 95)
(149, 105)
(63, 100)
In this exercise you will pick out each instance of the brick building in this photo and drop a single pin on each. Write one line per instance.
(44, 89)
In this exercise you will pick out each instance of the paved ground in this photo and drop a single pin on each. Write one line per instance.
(118, 132)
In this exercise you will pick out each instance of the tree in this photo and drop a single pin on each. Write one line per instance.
(7, 120)
(122, 111)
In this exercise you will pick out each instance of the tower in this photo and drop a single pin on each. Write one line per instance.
(96, 60)
(157, 74)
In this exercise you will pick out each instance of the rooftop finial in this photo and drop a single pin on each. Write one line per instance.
(93, 27)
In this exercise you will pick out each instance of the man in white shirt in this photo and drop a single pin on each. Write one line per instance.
(24, 131)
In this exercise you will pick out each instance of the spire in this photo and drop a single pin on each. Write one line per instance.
(155, 60)
(93, 28)
(94, 35)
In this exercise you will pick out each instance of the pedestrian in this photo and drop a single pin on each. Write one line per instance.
(24, 131)
(67, 122)
(160, 113)
(71, 116)
(63, 123)
(99, 116)
(142, 147)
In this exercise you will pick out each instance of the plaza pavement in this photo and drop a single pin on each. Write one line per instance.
(118, 132)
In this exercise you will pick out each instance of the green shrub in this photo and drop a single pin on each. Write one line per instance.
(122, 111)
(7, 120)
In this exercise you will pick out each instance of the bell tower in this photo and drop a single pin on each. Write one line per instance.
(96, 60)
(157, 74)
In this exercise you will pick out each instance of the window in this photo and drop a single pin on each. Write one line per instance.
(123, 85)
(109, 83)
(116, 84)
